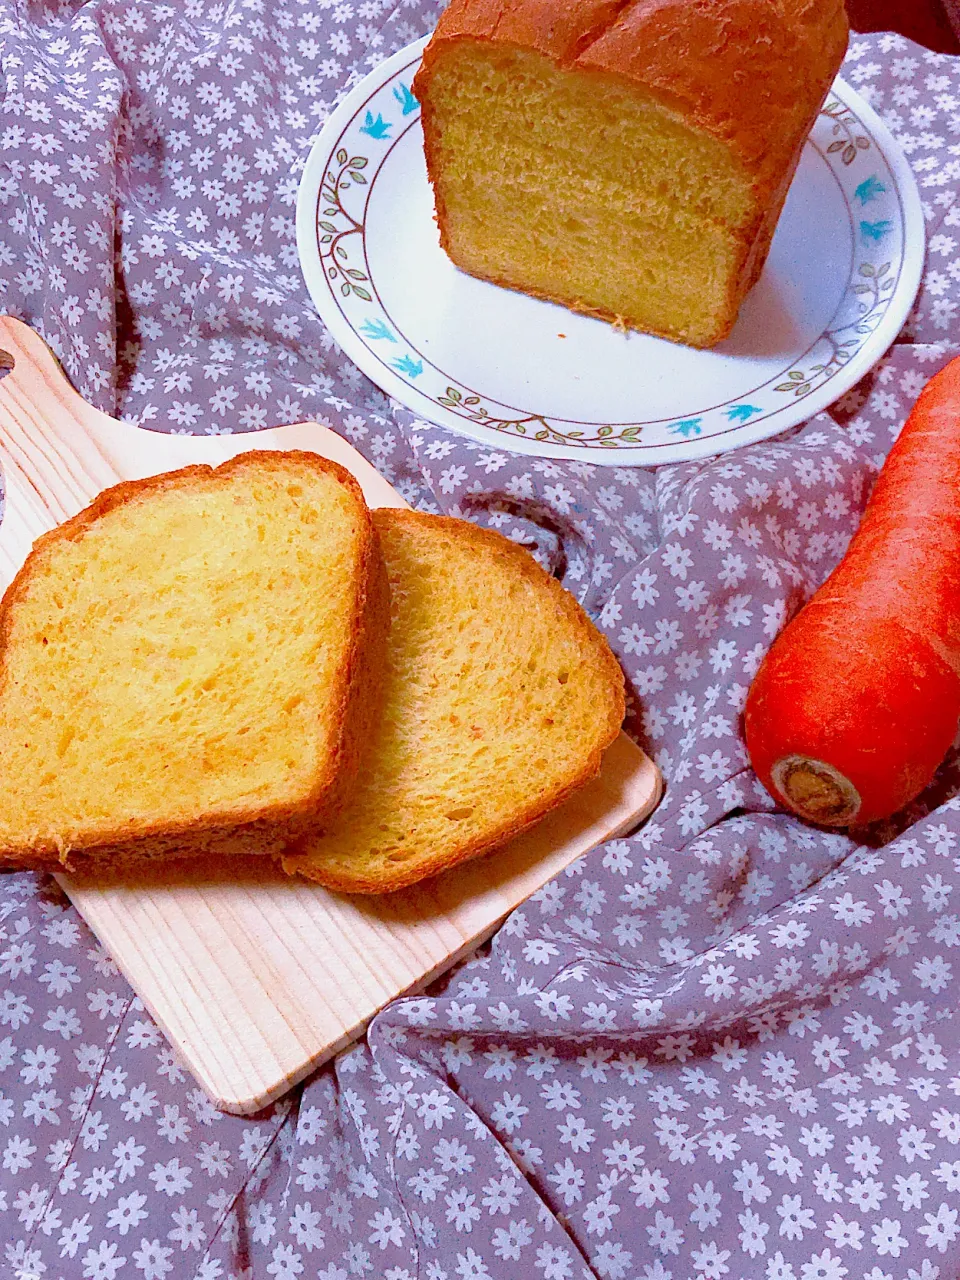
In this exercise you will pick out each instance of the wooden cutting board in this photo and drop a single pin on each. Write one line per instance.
(256, 978)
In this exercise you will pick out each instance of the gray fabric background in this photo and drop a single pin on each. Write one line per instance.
(724, 1047)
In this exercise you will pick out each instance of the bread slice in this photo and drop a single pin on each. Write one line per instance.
(627, 158)
(180, 665)
(500, 697)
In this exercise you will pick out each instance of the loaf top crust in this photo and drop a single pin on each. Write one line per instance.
(750, 72)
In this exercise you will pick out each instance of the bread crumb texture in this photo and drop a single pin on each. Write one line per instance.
(176, 657)
(500, 697)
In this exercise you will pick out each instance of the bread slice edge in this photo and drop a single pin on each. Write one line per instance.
(257, 830)
(409, 873)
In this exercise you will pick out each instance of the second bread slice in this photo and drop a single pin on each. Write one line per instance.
(500, 698)
(181, 665)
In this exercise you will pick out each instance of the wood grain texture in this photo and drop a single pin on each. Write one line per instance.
(256, 978)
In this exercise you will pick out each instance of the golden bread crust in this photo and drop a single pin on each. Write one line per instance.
(752, 74)
(306, 857)
(355, 695)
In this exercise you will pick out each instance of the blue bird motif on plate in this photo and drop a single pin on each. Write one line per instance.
(869, 189)
(378, 128)
(405, 98)
(688, 427)
(405, 364)
(377, 329)
(741, 412)
(875, 230)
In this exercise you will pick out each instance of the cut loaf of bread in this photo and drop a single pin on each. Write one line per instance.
(500, 698)
(182, 665)
(627, 158)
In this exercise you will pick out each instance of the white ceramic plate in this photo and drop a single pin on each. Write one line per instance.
(517, 373)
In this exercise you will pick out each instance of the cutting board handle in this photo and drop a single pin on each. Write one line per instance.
(51, 464)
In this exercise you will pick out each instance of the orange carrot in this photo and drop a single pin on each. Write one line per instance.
(856, 703)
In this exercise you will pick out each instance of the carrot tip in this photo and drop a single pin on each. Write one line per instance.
(816, 790)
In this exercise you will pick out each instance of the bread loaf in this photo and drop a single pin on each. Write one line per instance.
(627, 158)
(182, 665)
(500, 697)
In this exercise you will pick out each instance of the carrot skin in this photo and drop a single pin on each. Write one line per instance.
(881, 715)
(866, 678)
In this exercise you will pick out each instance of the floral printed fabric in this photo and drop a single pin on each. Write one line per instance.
(726, 1046)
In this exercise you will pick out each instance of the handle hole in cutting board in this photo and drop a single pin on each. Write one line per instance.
(7, 362)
